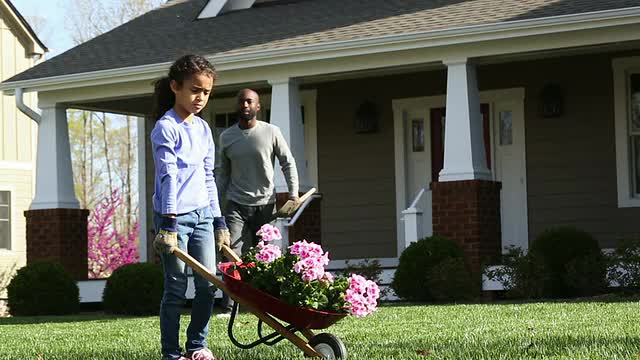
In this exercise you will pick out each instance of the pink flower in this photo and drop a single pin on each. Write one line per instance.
(305, 249)
(269, 232)
(268, 253)
(312, 260)
(361, 296)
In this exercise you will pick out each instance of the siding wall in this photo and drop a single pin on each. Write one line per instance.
(356, 171)
(18, 136)
(571, 170)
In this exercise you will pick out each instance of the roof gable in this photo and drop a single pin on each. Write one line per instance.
(22, 29)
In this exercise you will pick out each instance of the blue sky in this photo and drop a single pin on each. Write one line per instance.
(54, 33)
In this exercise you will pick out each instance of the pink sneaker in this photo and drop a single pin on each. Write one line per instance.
(202, 354)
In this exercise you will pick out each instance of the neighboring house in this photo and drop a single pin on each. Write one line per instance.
(513, 116)
(21, 49)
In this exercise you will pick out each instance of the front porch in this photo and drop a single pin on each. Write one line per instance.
(369, 178)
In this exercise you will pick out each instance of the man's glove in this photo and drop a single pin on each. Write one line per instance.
(221, 232)
(294, 207)
(167, 236)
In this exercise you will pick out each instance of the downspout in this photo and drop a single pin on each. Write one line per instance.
(24, 108)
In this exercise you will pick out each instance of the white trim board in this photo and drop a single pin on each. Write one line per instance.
(621, 69)
(13, 213)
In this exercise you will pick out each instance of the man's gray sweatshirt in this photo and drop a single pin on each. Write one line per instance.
(245, 164)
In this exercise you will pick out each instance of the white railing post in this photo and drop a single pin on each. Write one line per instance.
(412, 225)
(283, 225)
(412, 217)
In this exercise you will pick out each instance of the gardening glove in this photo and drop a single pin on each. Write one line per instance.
(167, 236)
(296, 204)
(221, 232)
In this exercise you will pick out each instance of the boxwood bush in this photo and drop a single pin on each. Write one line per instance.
(571, 262)
(134, 289)
(43, 288)
(419, 277)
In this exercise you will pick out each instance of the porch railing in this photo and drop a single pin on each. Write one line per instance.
(283, 224)
(417, 221)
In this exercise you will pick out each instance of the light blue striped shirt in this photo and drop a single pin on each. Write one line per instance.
(183, 154)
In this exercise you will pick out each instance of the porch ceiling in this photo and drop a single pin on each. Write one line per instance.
(139, 106)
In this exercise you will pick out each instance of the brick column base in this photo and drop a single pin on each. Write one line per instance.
(468, 212)
(59, 235)
(308, 226)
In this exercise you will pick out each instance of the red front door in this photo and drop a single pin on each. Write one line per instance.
(437, 118)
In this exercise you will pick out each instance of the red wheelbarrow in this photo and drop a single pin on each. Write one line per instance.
(269, 310)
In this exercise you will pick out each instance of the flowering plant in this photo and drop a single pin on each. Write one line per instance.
(299, 278)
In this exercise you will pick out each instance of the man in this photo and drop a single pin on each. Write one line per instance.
(244, 174)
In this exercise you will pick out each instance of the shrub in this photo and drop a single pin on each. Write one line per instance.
(416, 263)
(522, 276)
(570, 260)
(43, 288)
(134, 289)
(624, 268)
(451, 280)
(587, 275)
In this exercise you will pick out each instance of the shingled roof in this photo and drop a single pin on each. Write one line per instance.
(168, 32)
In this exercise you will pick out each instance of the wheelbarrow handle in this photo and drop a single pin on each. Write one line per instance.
(230, 254)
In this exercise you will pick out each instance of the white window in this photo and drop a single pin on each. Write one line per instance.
(5, 220)
(626, 81)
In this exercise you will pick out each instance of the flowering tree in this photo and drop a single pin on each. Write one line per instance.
(108, 248)
(299, 277)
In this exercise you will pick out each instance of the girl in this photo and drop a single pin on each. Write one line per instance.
(185, 201)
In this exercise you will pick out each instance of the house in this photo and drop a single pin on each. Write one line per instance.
(21, 49)
(486, 121)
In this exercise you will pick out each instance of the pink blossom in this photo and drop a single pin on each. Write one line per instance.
(312, 260)
(108, 248)
(268, 253)
(313, 274)
(361, 296)
(269, 232)
(305, 249)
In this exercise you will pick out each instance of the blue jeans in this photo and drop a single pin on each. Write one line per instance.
(195, 236)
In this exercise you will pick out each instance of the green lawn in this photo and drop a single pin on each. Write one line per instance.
(553, 330)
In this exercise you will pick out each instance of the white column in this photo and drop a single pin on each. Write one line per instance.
(464, 156)
(142, 188)
(287, 115)
(54, 176)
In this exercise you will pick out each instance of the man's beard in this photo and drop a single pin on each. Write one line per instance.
(247, 116)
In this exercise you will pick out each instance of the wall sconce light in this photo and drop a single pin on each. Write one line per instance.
(366, 119)
(551, 101)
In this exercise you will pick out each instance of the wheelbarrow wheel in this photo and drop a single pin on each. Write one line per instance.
(329, 346)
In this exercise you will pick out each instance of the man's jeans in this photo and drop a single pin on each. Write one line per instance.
(195, 236)
(244, 221)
